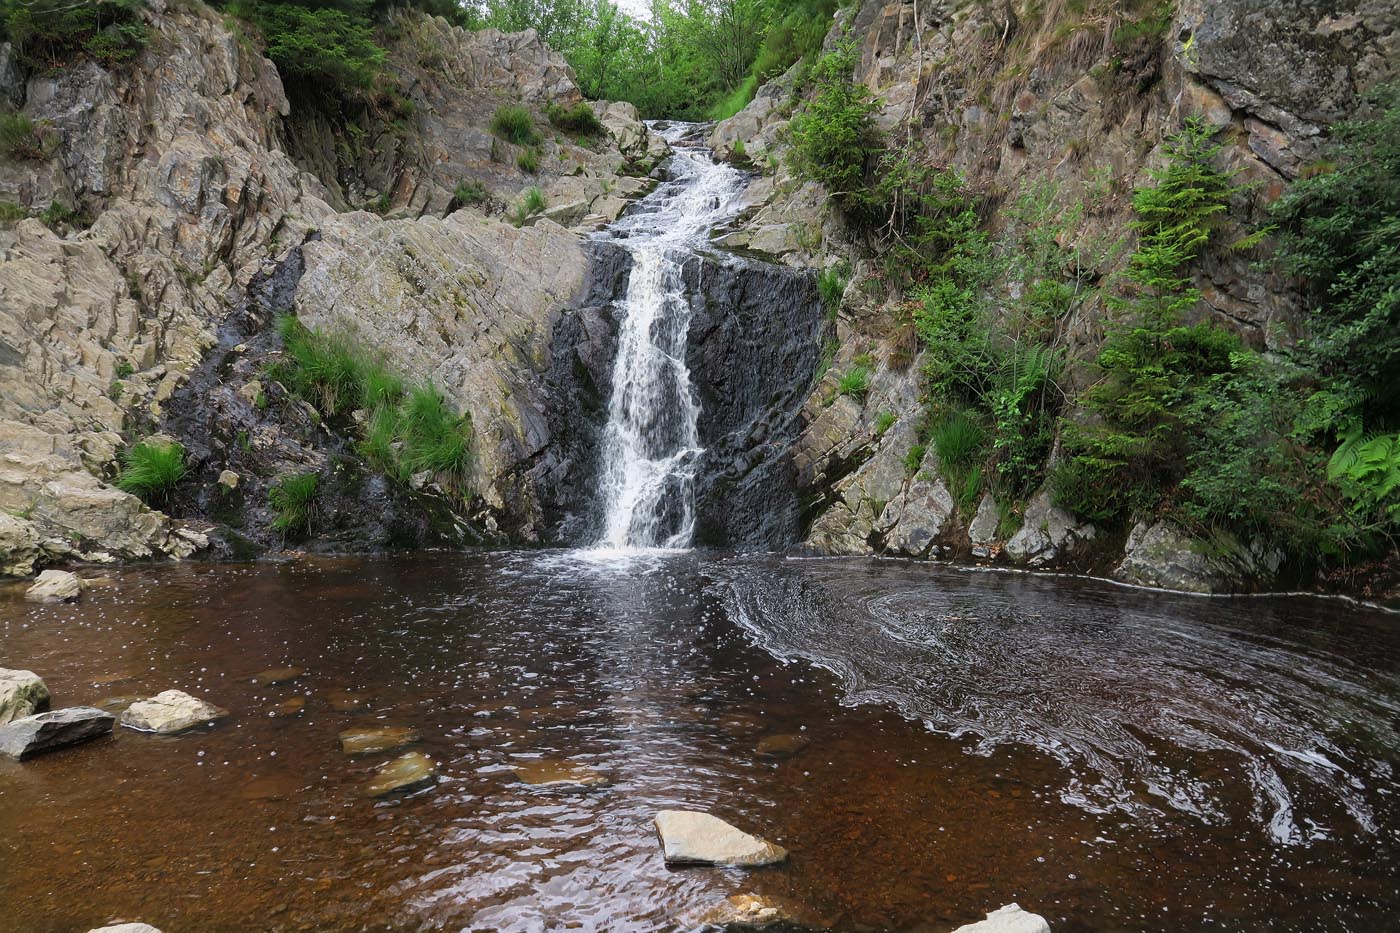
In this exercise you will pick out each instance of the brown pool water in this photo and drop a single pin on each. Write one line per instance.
(1112, 759)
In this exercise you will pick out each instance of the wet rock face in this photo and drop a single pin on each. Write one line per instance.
(756, 336)
(578, 384)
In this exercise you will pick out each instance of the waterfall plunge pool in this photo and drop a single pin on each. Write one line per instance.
(1112, 759)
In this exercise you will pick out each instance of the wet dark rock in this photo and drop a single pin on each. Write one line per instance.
(756, 337)
(410, 772)
(46, 732)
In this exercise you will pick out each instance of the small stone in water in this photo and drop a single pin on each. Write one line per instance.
(1008, 919)
(782, 746)
(292, 706)
(278, 675)
(45, 732)
(55, 586)
(376, 739)
(405, 773)
(553, 772)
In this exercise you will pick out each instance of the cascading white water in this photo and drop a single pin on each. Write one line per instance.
(651, 445)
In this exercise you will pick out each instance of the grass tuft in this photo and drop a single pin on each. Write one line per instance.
(152, 470)
(514, 124)
(293, 499)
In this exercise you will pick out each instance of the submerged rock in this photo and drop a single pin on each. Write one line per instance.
(170, 711)
(782, 746)
(1008, 919)
(45, 732)
(278, 675)
(22, 693)
(405, 773)
(556, 773)
(691, 838)
(750, 912)
(361, 741)
(347, 701)
(292, 706)
(55, 586)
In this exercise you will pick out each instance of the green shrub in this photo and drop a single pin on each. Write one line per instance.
(53, 33)
(579, 119)
(151, 470)
(293, 502)
(320, 52)
(529, 161)
(514, 124)
(833, 135)
(855, 382)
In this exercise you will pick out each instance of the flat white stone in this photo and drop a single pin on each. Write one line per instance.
(1008, 919)
(688, 837)
(55, 586)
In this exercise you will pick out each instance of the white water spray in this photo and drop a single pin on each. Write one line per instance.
(651, 445)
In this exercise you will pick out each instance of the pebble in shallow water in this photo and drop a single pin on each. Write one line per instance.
(407, 772)
(363, 741)
(558, 774)
(782, 746)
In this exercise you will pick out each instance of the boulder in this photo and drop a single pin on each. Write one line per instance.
(691, 838)
(45, 732)
(555, 773)
(170, 711)
(364, 740)
(1048, 533)
(19, 546)
(55, 586)
(22, 693)
(1008, 919)
(408, 772)
(1163, 556)
(127, 928)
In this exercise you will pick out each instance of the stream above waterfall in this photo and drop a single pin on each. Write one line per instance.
(1113, 759)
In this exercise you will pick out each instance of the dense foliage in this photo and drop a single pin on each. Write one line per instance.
(688, 59)
(52, 33)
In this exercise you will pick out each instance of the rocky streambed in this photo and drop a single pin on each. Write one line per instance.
(539, 741)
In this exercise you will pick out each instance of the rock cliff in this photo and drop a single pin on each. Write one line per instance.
(1014, 96)
(168, 194)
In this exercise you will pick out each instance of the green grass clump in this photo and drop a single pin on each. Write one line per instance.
(533, 203)
(529, 161)
(831, 284)
(151, 470)
(19, 139)
(293, 500)
(10, 211)
(467, 193)
(409, 429)
(959, 440)
(514, 124)
(884, 421)
(579, 119)
(855, 382)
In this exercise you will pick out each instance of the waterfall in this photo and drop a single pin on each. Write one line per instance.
(651, 443)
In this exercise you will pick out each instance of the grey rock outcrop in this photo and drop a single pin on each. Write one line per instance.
(1048, 533)
(1162, 555)
(169, 712)
(45, 732)
(22, 693)
(692, 838)
(55, 586)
